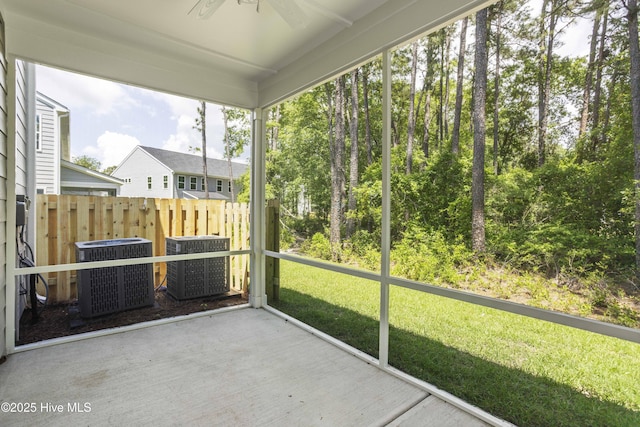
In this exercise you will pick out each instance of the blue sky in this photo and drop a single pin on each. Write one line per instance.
(109, 119)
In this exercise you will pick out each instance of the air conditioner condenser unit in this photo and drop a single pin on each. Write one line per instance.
(196, 278)
(112, 289)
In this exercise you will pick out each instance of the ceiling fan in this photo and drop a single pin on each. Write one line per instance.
(288, 9)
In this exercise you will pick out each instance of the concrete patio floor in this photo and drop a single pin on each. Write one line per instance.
(242, 367)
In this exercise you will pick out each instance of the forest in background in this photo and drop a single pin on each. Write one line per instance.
(512, 164)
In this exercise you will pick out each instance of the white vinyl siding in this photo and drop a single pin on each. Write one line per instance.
(38, 133)
(3, 194)
(135, 172)
(47, 162)
(22, 127)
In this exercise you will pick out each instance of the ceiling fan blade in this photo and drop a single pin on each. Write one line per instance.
(203, 9)
(290, 12)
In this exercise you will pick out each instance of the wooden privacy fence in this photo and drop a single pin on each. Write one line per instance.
(62, 220)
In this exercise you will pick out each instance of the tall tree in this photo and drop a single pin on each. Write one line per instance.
(548, 20)
(498, 9)
(595, 137)
(236, 135)
(336, 149)
(227, 149)
(610, 99)
(353, 160)
(201, 125)
(429, 78)
(367, 114)
(444, 40)
(275, 128)
(479, 125)
(411, 125)
(447, 80)
(455, 138)
(586, 94)
(634, 77)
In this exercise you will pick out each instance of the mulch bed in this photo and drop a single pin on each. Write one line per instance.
(61, 320)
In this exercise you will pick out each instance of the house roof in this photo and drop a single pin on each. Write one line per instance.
(191, 164)
(50, 102)
(95, 177)
(237, 56)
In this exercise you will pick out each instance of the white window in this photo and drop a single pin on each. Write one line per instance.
(149, 183)
(219, 186)
(229, 189)
(201, 184)
(38, 133)
(193, 183)
(181, 182)
(165, 181)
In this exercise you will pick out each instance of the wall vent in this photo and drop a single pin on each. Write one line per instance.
(111, 289)
(198, 277)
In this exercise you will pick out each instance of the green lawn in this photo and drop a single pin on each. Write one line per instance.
(527, 371)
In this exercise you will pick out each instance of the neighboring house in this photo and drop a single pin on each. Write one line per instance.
(52, 143)
(55, 173)
(153, 172)
(81, 181)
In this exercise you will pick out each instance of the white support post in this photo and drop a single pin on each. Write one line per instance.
(257, 292)
(10, 289)
(383, 351)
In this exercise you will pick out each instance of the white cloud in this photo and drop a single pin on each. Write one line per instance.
(111, 148)
(77, 91)
(179, 106)
(184, 112)
(106, 101)
(186, 136)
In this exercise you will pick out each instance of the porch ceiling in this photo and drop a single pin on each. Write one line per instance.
(237, 56)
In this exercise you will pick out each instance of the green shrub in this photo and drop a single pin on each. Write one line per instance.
(429, 257)
(318, 247)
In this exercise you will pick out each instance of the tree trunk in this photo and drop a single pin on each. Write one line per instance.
(275, 130)
(607, 111)
(367, 116)
(427, 123)
(455, 139)
(544, 74)
(203, 132)
(337, 170)
(496, 91)
(227, 145)
(634, 74)
(479, 97)
(411, 128)
(595, 137)
(353, 162)
(441, 91)
(445, 114)
(427, 88)
(586, 94)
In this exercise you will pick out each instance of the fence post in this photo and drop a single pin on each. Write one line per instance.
(272, 243)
